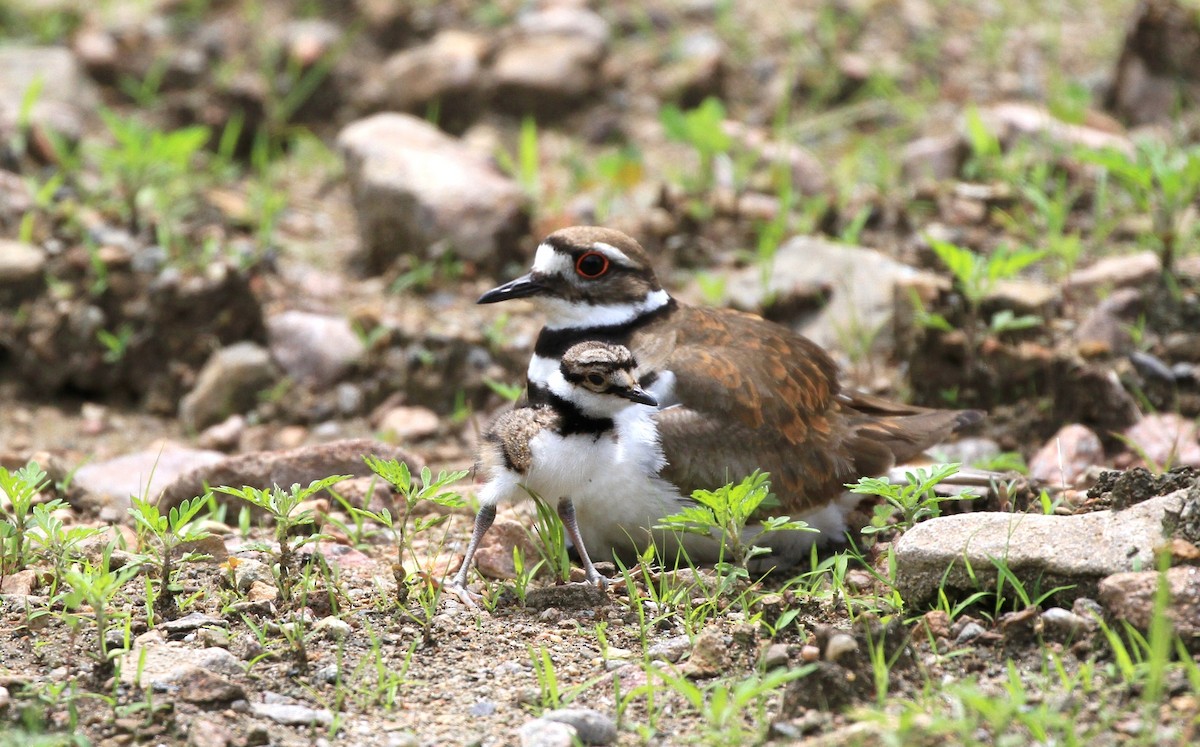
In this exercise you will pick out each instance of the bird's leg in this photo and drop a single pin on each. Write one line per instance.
(483, 522)
(566, 513)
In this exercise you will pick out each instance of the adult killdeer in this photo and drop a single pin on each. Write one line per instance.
(737, 392)
(587, 445)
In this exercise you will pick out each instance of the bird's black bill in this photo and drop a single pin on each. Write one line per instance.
(522, 287)
(639, 395)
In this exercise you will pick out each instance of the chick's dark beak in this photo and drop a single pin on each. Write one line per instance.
(522, 287)
(639, 395)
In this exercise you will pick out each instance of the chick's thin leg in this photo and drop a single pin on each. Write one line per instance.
(483, 522)
(566, 513)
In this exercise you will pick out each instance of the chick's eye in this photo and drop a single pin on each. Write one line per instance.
(591, 265)
(595, 379)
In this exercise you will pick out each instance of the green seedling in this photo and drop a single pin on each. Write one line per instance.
(509, 392)
(411, 494)
(283, 507)
(726, 513)
(725, 706)
(20, 487)
(57, 545)
(703, 129)
(911, 502)
(163, 535)
(525, 165)
(1162, 181)
(95, 587)
(976, 276)
(149, 168)
(551, 539)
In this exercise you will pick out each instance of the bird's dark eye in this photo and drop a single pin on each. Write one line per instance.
(591, 265)
(595, 379)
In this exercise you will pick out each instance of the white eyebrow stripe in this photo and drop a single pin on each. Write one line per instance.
(612, 253)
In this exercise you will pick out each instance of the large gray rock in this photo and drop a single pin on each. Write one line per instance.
(313, 349)
(108, 485)
(554, 64)
(284, 468)
(860, 283)
(419, 191)
(591, 726)
(155, 662)
(1046, 550)
(229, 383)
(21, 267)
(66, 93)
(448, 71)
(1130, 597)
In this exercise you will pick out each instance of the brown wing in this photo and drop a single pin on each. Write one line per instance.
(751, 395)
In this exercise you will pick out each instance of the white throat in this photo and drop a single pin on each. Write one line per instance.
(563, 314)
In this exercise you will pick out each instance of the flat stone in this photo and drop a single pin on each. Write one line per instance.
(314, 349)
(671, 649)
(418, 191)
(447, 70)
(1166, 439)
(144, 473)
(409, 423)
(1014, 119)
(553, 64)
(568, 597)
(302, 465)
(591, 726)
(1116, 272)
(229, 383)
(164, 664)
(201, 686)
(1130, 596)
(860, 283)
(21, 268)
(542, 732)
(1049, 550)
(292, 715)
(1022, 296)
(20, 584)
(66, 93)
(1061, 624)
(191, 622)
(1065, 459)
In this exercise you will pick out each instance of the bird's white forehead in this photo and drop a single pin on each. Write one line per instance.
(548, 261)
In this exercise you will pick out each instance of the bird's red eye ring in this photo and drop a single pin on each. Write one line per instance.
(591, 265)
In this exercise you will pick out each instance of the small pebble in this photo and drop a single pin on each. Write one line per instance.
(970, 632)
(776, 656)
(541, 732)
(591, 726)
(839, 645)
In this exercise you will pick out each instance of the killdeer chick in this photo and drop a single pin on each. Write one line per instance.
(737, 392)
(592, 429)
